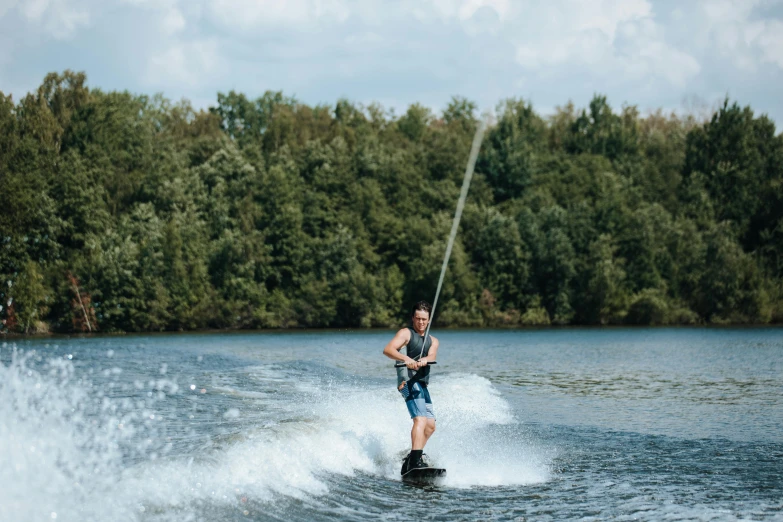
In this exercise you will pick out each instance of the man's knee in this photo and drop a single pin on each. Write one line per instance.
(429, 429)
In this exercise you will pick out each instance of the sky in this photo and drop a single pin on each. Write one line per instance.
(676, 55)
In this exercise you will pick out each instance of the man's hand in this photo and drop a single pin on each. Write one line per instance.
(411, 364)
(421, 363)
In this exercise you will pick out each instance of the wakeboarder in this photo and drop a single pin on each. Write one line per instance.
(413, 380)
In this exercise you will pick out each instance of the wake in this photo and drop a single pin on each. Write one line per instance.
(70, 451)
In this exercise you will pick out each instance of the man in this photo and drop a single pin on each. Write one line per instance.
(413, 378)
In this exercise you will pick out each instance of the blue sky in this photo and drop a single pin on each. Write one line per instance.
(674, 55)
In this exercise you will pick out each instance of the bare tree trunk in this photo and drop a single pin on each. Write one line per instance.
(86, 317)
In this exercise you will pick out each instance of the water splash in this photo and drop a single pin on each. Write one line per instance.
(81, 449)
(64, 443)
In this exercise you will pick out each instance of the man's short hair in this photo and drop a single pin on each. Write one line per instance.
(422, 305)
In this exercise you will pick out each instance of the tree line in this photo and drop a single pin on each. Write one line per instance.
(125, 212)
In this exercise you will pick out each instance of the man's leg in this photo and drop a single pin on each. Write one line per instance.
(420, 408)
(429, 429)
(419, 434)
(418, 440)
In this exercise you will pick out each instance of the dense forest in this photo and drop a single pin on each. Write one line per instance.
(123, 212)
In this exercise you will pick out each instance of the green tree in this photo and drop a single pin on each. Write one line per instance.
(268, 212)
(503, 261)
(604, 293)
(553, 260)
(415, 122)
(603, 132)
(510, 156)
(731, 287)
(739, 155)
(30, 296)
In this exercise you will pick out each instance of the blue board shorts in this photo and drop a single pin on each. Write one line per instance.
(418, 402)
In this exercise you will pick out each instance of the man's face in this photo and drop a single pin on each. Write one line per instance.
(420, 320)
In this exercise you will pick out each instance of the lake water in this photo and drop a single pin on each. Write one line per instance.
(590, 424)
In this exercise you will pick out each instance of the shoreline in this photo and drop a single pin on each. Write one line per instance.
(5, 336)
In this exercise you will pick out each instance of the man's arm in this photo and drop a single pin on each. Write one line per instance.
(392, 350)
(432, 353)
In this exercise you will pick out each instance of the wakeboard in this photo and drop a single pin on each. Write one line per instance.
(424, 476)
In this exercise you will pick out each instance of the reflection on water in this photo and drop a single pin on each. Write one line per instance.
(723, 383)
(650, 386)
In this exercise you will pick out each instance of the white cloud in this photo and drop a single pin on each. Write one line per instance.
(167, 14)
(650, 52)
(34, 9)
(59, 18)
(650, 57)
(451, 10)
(606, 16)
(442, 8)
(469, 8)
(183, 63)
(728, 10)
(249, 14)
(769, 40)
(559, 32)
(610, 38)
(173, 21)
(6, 6)
(364, 38)
(733, 31)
